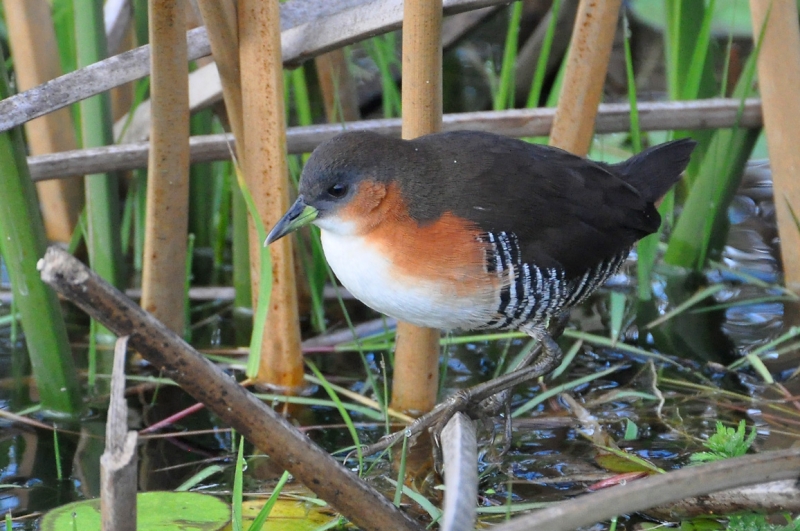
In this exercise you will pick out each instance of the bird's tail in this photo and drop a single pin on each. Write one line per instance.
(655, 170)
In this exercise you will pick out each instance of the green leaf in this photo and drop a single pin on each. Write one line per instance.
(730, 16)
(265, 275)
(155, 511)
(621, 462)
(726, 443)
(266, 510)
(290, 515)
(631, 430)
(238, 479)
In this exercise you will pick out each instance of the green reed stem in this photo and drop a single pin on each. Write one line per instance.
(541, 63)
(57, 451)
(23, 242)
(202, 187)
(700, 231)
(102, 190)
(504, 97)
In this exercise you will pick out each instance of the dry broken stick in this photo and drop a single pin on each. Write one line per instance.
(238, 408)
(611, 118)
(118, 462)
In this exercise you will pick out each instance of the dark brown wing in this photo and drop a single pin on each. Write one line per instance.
(565, 210)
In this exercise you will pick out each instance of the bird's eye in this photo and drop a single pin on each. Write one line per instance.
(337, 190)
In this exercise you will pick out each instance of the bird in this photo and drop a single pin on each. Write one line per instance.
(472, 230)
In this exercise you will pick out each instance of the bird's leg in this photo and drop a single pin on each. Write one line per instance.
(542, 360)
(469, 400)
(502, 400)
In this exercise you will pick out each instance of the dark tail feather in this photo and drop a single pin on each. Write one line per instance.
(655, 170)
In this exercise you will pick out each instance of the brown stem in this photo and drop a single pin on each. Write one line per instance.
(416, 363)
(585, 75)
(165, 239)
(267, 178)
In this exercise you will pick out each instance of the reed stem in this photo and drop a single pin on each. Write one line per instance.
(23, 242)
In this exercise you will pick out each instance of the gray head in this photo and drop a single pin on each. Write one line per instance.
(333, 176)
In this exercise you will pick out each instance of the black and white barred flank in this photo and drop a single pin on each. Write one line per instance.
(531, 295)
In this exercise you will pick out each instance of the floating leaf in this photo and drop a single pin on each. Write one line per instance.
(287, 515)
(155, 511)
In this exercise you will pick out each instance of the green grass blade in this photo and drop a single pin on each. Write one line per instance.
(697, 66)
(569, 356)
(57, 452)
(606, 342)
(636, 133)
(187, 284)
(265, 275)
(202, 187)
(504, 97)
(102, 190)
(263, 514)
(342, 411)
(789, 334)
(241, 250)
(541, 63)
(199, 477)
(382, 51)
(688, 303)
(222, 211)
(401, 473)
(617, 303)
(553, 391)
(238, 480)
(22, 243)
(434, 512)
(718, 177)
(684, 30)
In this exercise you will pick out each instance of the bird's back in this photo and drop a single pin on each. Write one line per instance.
(565, 211)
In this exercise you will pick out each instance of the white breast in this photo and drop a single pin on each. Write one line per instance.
(370, 278)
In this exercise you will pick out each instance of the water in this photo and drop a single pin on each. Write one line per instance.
(552, 455)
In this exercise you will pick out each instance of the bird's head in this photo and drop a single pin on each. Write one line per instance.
(341, 186)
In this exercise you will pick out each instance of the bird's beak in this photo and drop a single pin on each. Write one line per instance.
(298, 215)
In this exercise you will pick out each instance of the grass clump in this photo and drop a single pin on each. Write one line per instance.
(725, 443)
(758, 522)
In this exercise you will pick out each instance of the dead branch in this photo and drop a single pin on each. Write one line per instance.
(612, 118)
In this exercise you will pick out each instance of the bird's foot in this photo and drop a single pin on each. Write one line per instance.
(480, 400)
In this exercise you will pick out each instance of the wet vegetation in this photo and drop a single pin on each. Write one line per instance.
(688, 355)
